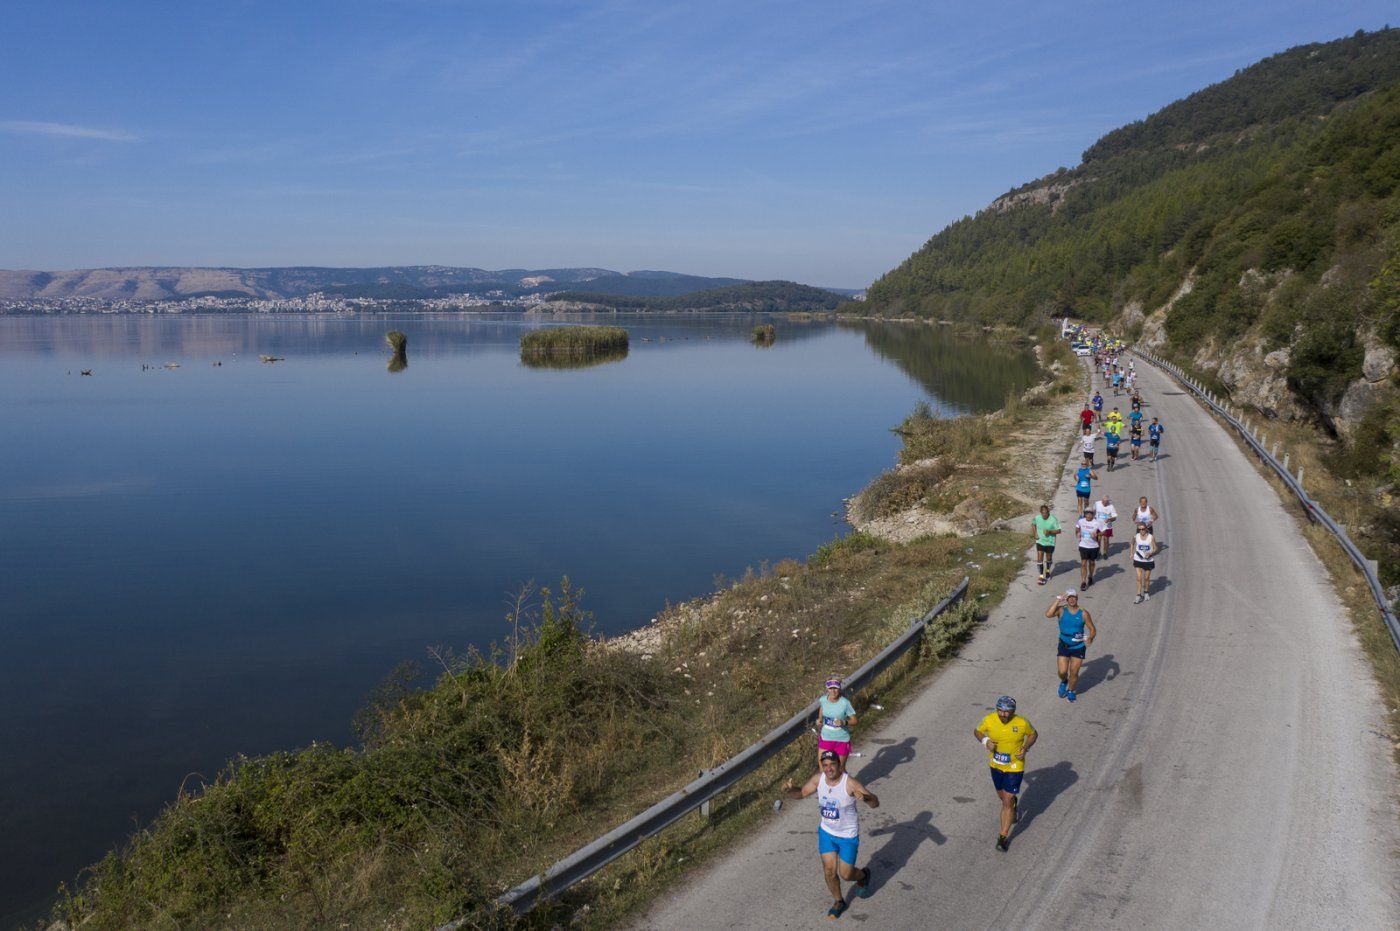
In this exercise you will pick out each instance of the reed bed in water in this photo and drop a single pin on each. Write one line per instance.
(574, 340)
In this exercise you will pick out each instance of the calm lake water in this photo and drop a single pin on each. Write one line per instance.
(212, 560)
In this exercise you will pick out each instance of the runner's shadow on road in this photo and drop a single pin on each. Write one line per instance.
(1106, 572)
(1097, 670)
(886, 759)
(1158, 585)
(905, 838)
(1043, 786)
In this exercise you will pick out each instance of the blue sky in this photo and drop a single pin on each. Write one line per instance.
(817, 141)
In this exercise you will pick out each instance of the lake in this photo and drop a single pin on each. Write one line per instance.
(210, 560)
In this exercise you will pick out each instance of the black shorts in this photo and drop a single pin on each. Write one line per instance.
(1154, 443)
(1090, 553)
(1047, 550)
(1148, 564)
(1075, 651)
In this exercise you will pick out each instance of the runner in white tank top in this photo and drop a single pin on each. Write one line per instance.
(1145, 514)
(1144, 560)
(839, 817)
(838, 835)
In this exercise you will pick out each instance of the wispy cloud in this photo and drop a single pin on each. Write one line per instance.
(66, 130)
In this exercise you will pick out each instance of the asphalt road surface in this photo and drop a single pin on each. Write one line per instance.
(1226, 765)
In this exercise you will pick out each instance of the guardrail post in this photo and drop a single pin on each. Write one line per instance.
(1275, 450)
(1300, 477)
(1285, 462)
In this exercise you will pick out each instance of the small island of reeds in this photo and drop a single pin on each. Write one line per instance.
(764, 334)
(573, 341)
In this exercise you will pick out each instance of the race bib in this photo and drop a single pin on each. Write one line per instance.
(1002, 758)
(829, 721)
(831, 811)
(1079, 637)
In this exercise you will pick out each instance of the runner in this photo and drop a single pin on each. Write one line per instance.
(1111, 443)
(1145, 513)
(1088, 530)
(1097, 403)
(1076, 633)
(1083, 487)
(1086, 444)
(1134, 418)
(1007, 736)
(1045, 527)
(1105, 513)
(1117, 381)
(1135, 441)
(1113, 422)
(1154, 437)
(838, 832)
(837, 714)
(1136, 401)
(1086, 416)
(1144, 561)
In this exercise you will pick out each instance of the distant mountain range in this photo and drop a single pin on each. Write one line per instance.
(405, 282)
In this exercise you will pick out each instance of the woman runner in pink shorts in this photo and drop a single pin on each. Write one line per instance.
(837, 716)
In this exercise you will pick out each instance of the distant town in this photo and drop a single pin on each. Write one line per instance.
(317, 303)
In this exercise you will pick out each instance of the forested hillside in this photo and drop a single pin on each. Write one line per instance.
(1250, 230)
(756, 296)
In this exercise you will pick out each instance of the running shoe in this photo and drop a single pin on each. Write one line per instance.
(1084, 587)
(1146, 596)
(837, 910)
(1137, 600)
(1002, 843)
(1041, 580)
(1064, 687)
(863, 887)
(1070, 696)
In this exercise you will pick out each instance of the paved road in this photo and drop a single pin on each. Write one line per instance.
(1225, 766)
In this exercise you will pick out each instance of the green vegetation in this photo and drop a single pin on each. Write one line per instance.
(755, 297)
(580, 341)
(764, 334)
(399, 343)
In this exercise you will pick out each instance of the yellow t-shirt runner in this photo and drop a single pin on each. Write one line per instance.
(1008, 740)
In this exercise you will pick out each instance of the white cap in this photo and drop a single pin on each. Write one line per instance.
(1071, 594)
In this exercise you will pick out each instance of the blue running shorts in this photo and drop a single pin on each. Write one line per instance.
(1005, 782)
(844, 847)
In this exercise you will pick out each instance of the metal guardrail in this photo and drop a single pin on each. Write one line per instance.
(588, 860)
(1295, 484)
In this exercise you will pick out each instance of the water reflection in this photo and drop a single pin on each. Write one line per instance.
(970, 373)
(546, 360)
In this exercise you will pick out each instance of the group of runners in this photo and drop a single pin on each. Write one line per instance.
(1004, 734)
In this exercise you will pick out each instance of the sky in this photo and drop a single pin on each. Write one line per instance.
(815, 141)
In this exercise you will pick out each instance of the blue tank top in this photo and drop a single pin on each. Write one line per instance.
(1082, 486)
(1071, 626)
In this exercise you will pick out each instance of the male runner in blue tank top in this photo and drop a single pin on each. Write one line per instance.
(1076, 633)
